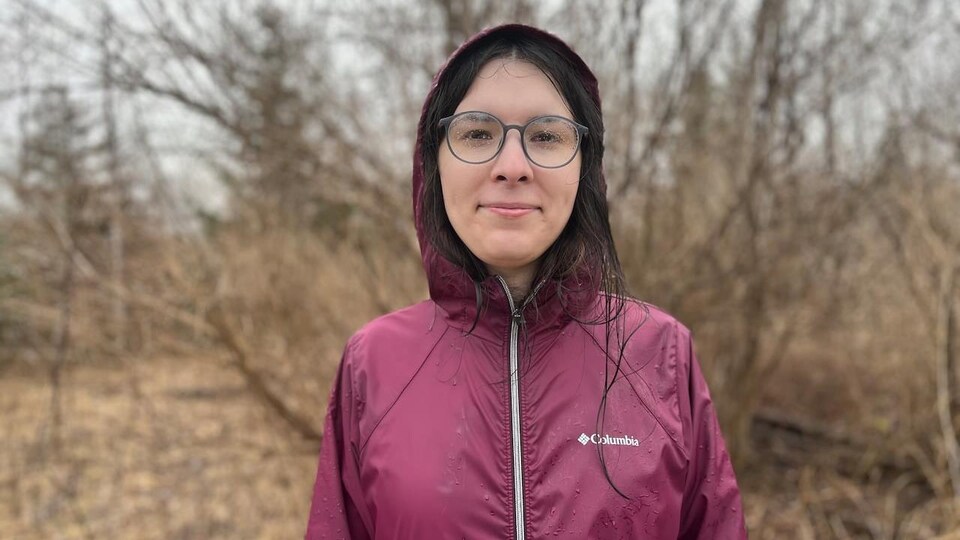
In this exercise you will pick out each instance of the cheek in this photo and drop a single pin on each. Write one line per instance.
(454, 189)
(443, 168)
(460, 182)
(565, 196)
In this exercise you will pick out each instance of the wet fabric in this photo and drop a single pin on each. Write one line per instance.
(418, 438)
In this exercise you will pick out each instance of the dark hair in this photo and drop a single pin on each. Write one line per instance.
(585, 250)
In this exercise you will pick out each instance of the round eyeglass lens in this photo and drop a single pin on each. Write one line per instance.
(551, 141)
(475, 137)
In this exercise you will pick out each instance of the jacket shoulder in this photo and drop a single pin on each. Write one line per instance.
(651, 321)
(659, 333)
(402, 331)
(668, 323)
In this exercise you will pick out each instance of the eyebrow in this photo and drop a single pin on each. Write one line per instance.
(551, 117)
(477, 114)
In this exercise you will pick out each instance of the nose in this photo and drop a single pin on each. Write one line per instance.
(512, 163)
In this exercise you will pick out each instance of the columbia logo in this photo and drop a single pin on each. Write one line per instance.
(596, 438)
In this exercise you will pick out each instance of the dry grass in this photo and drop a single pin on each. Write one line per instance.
(149, 449)
(178, 448)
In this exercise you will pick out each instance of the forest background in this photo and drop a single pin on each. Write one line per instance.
(201, 201)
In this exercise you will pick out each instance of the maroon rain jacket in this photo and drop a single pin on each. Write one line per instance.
(442, 424)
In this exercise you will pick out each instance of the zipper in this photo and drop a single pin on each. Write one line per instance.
(515, 318)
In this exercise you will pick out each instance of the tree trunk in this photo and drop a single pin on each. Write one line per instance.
(945, 350)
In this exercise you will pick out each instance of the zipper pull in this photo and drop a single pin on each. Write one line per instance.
(517, 316)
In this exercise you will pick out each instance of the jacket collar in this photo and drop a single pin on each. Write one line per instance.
(484, 308)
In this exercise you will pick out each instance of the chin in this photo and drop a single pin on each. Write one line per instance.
(508, 250)
(508, 261)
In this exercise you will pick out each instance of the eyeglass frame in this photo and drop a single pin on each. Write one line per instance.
(445, 122)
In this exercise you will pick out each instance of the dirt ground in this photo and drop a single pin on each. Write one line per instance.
(158, 449)
(171, 448)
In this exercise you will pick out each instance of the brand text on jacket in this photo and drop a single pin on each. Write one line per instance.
(596, 438)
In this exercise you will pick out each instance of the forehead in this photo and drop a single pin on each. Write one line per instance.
(514, 90)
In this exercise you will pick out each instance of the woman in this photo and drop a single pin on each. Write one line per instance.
(529, 396)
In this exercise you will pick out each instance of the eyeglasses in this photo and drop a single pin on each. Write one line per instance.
(548, 141)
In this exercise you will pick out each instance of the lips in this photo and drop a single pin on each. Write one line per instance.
(509, 209)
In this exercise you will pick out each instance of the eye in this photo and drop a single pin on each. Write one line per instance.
(546, 137)
(475, 130)
(475, 134)
(551, 132)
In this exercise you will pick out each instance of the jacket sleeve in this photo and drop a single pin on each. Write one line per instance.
(711, 502)
(338, 510)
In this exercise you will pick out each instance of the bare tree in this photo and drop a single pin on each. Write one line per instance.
(52, 180)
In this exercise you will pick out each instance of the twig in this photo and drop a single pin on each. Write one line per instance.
(234, 342)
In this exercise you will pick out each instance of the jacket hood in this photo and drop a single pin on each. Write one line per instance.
(450, 285)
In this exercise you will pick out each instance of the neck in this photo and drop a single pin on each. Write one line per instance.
(518, 281)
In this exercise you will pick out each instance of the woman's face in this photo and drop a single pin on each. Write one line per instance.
(508, 211)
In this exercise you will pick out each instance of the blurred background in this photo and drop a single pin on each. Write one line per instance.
(201, 201)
